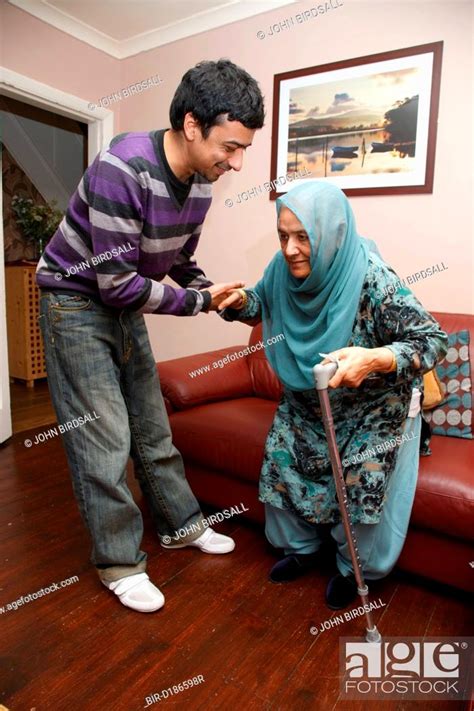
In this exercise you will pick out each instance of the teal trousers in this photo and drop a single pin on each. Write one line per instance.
(379, 544)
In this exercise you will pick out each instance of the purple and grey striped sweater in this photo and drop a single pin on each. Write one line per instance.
(124, 231)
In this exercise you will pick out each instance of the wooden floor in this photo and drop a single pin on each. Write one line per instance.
(30, 407)
(79, 649)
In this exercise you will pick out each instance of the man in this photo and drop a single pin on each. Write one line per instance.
(136, 217)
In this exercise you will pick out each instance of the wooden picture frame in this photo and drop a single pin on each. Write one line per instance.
(373, 102)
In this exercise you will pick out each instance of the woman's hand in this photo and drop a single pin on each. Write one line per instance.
(234, 300)
(219, 292)
(356, 363)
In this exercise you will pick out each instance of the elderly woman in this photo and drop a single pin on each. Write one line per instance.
(329, 294)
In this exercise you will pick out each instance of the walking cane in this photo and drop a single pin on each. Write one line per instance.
(322, 376)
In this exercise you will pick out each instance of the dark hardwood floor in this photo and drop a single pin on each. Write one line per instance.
(78, 649)
(30, 407)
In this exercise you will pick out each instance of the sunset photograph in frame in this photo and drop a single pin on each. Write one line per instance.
(367, 124)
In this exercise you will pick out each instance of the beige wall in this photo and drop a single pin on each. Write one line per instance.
(412, 231)
(41, 52)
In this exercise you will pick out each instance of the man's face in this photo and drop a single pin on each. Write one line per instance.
(295, 244)
(221, 151)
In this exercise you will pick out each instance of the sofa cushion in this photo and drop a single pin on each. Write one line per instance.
(225, 436)
(453, 416)
(444, 500)
(451, 323)
(439, 557)
(265, 382)
(184, 386)
(230, 437)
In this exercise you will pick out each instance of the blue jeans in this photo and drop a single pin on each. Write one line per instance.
(379, 544)
(99, 363)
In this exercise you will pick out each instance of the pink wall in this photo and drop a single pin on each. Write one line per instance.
(41, 52)
(412, 231)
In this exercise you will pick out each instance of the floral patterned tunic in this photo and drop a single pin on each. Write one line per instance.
(296, 472)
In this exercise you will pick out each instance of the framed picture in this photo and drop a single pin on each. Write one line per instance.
(366, 124)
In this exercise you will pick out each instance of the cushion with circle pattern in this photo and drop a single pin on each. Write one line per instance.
(453, 417)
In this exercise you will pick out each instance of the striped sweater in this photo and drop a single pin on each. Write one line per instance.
(124, 231)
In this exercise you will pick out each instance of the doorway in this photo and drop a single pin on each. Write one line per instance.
(43, 158)
(48, 139)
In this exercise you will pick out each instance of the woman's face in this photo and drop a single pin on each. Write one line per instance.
(294, 243)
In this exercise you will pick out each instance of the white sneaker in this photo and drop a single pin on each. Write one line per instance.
(208, 542)
(138, 592)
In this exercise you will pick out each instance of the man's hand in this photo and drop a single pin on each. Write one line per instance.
(219, 292)
(356, 363)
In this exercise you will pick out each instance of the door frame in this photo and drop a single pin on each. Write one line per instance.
(100, 132)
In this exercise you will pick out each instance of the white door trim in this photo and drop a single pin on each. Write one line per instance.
(23, 88)
(5, 410)
(101, 131)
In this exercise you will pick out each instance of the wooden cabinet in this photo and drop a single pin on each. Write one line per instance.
(25, 344)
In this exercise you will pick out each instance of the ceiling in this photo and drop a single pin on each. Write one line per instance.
(123, 28)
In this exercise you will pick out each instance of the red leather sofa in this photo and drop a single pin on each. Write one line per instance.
(220, 419)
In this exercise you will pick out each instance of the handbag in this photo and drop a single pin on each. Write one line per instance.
(432, 391)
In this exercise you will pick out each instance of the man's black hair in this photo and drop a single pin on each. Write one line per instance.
(211, 89)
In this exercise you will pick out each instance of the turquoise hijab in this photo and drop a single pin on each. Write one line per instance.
(315, 314)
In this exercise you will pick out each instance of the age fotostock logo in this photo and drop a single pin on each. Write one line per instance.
(406, 668)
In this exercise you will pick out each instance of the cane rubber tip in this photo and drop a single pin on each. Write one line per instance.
(373, 636)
